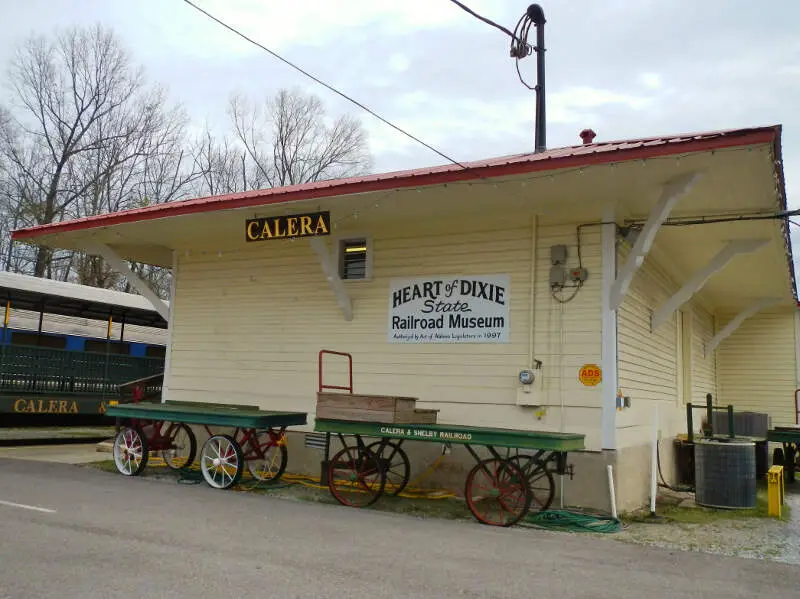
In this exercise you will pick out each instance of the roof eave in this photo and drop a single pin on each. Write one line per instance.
(215, 203)
(783, 206)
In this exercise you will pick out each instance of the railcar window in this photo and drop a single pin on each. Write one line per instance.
(156, 351)
(50, 341)
(353, 259)
(93, 345)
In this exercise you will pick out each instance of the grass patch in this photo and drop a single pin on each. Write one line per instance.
(674, 512)
(104, 465)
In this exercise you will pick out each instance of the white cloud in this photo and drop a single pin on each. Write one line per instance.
(651, 80)
(279, 25)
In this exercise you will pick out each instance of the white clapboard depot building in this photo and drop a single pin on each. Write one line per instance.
(628, 276)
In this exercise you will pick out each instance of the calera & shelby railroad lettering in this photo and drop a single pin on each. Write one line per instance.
(313, 224)
(427, 434)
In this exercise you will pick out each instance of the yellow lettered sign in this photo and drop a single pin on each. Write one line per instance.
(313, 224)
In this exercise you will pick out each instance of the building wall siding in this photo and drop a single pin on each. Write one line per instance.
(248, 326)
(757, 367)
(650, 361)
(704, 367)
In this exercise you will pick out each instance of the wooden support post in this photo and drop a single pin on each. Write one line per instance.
(608, 344)
(672, 191)
(696, 283)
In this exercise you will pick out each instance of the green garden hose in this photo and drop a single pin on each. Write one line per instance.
(574, 521)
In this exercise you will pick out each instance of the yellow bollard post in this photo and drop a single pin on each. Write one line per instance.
(775, 490)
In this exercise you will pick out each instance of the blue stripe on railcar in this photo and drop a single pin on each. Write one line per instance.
(74, 343)
(77, 342)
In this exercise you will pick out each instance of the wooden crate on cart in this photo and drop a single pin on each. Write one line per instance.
(338, 402)
(425, 416)
(366, 408)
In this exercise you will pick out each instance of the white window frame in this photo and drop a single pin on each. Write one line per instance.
(338, 241)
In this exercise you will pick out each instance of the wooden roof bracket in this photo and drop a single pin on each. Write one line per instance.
(736, 322)
(699, 279)
(331, 274)
(671, 192)
(118, 264)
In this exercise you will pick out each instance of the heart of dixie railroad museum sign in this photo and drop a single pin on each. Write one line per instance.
(458, 309)
(313, 224)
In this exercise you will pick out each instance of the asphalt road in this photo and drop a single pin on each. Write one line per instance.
(106, 535)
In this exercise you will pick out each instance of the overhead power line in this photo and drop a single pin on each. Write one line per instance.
(334, 90)
(485, 20)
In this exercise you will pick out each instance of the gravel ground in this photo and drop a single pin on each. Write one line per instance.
(756, 538)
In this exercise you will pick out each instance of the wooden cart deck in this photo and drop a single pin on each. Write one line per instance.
(257, 442)
(784, 434)
(208, 414)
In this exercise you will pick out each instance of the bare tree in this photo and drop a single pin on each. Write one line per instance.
(76, 95)
(222, 167)
(159, 170)
(289, 140)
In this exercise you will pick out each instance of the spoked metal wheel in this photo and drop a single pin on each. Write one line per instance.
(273, 464)
(221, 461)
(497, 492)
(540, 481)
(355, 477)
(130, 451)
(184, 446)
(395, 465)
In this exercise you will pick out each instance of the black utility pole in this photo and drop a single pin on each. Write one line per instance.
(536, 15)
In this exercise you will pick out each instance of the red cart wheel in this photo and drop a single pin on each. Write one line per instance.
(355, 477)
(395, 464)
(183, 446)
(273, 464)
(540, 480)
(497, 492)
(130, 451)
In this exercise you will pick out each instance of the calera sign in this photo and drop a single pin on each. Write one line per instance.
(288, 227)
(470, 309)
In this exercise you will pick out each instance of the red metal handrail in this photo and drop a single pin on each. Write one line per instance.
(350, 366)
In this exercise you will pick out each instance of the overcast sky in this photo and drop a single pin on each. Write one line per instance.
(625, 68)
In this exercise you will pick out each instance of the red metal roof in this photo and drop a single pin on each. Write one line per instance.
(557, 158)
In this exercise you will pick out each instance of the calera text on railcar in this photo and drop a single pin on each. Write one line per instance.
(287, 227)
(455, 321)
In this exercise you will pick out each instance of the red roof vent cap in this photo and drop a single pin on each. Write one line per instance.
(587, 135)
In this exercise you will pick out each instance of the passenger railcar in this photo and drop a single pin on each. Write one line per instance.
(65, 349)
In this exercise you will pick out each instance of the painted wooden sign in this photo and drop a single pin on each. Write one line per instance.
(448, 309)
(313, 224)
